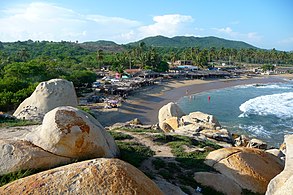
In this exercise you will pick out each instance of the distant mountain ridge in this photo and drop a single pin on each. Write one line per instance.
(201, 42)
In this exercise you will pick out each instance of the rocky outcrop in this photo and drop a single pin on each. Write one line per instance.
(250, 168)
(47, 96)
(219, 182)
(65, 135)
(168, 111)
(256, 143)
(205, 119)
(18, 155)
(168, 188)
(220, 135)
(70, 132)
(282, 183)
(98, 176)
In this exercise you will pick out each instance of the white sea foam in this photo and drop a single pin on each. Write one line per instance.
(256, 130)
(280, 105)
(275, 86)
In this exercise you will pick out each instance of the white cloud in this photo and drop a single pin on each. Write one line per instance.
(44, 21)
(167, 25)
(226, 30)
(229, 33)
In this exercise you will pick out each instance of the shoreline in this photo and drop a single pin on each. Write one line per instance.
(146, 102)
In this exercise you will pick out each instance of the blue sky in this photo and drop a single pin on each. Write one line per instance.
(263, 23)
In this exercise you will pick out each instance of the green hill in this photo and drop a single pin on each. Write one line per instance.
(201, 42)
(103, 45)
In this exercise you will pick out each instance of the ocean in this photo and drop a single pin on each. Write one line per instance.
(263, 111)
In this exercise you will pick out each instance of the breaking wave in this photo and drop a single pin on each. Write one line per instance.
(279, 105)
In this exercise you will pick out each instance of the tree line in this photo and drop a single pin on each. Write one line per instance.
(24, 64)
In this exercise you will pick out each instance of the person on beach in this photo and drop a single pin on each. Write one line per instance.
(209, 98)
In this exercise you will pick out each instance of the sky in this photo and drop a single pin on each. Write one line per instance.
(265, 24)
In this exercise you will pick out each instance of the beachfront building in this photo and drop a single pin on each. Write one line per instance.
(183, 62)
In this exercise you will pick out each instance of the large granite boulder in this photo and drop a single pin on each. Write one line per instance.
(18, 155)
(250, 168)
(208, 120)
(168, 111)
(282, 184)
(47, 96)
(219, 182)
(73, 133)
(98, 176)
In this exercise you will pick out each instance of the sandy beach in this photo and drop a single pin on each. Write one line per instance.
(146, 102)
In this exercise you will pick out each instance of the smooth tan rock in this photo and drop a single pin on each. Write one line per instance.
(169, 110)
(166, 128)
(168, 188)
(73, 133)
(250, 168)
(219, 182)
(282, 184)
(203, 117)
(173, 122)
(16, 155)
(47, 96)
(98, 176)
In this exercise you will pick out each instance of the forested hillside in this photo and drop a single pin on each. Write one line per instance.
(24, 64)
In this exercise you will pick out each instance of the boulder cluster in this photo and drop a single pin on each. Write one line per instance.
(66, 135)
(243, 163)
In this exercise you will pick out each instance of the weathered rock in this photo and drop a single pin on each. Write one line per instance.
(219, 182)
(219, 135)
(173, 122)
(70, 132)
(18, 155)
(205, 118)
(256, 143)
(166, 127)
(47, 96)
(168, 111)
(168, 188)
(241, 141)
(135, 121)
(98, 176)
(250, 168)
(276, 153)
(282, 183)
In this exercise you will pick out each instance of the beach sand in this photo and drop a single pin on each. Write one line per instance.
(146, 102)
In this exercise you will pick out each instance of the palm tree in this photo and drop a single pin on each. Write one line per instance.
(100, 57)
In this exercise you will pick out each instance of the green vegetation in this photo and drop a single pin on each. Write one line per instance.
(7, 178)
(136, 130)
(134, 153)
(16, 122)
(119, 135)
(24, 64)
(201, 42)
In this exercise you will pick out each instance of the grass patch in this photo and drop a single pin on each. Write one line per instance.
(136, 130)
(7, 178)
(119, 135)
(17, 122)
(87, 110)
(158, 163)
(134, 153)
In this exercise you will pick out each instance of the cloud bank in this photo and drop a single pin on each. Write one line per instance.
(45, 21)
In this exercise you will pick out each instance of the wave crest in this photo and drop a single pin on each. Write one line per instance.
(279, 105)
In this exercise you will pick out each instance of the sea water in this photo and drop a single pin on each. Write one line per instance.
(263, 111)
